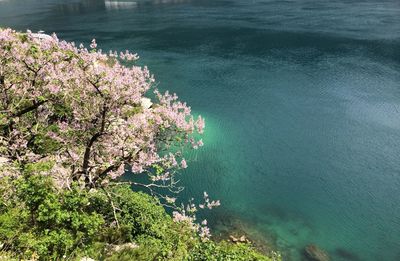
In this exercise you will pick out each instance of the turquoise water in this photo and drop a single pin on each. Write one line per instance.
(301, 99)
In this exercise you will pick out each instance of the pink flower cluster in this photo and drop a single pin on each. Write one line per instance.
(187, 213)
(89, 110)
(209, 204)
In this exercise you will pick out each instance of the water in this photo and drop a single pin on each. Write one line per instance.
(301, 98)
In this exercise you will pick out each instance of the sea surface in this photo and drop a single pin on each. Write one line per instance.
(301, 100)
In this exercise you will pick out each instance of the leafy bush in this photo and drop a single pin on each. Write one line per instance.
(39, 221)
(225, 251)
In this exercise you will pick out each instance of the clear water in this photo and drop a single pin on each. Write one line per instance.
(301, 98)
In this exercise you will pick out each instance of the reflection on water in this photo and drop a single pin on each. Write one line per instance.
(110, 5)
(119, 5)
(78, 7)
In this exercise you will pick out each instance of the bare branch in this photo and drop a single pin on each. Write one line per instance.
(112, 205)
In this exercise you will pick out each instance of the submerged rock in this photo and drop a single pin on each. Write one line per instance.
(232, 228)
(346, 254)
(314, 253)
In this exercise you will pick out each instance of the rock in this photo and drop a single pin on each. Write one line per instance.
(87, 259)
(346, 254)
(42, 36)
(230, 228)
(110, 249)
(233, 239)
(117, 248)
(314, 253)
(241, 239)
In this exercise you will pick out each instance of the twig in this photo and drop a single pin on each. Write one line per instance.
(112, 205)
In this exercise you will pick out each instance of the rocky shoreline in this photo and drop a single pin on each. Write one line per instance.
(239, 231)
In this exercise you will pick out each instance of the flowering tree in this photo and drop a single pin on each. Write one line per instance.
(86, 115)
(80, 117)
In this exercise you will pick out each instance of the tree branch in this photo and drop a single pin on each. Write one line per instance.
(86, 157)
(34, 106)
(97, 88)
(104, 173)
(112, 205)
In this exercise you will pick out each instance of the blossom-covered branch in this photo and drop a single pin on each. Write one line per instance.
(86, 114)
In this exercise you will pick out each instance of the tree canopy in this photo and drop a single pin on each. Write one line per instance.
(86, 113)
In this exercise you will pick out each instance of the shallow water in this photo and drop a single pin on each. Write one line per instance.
(301, 99)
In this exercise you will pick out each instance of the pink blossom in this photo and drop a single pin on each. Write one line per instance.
(183, 164)
(204, 233)
(93, 45)
(200, 123)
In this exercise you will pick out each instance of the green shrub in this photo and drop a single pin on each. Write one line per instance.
(37, 220)
(138, 213)
(144, 221)
(225, 251)
(45, 222)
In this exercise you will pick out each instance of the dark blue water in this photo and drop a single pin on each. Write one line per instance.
(301, 99)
